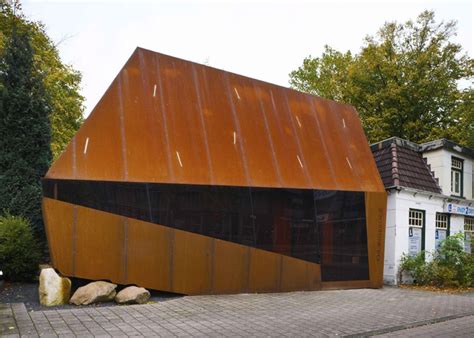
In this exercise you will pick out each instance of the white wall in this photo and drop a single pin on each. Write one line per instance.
(440, 161)
(457, 224)
(468, 170)
(396, 238)
(396, 235)
(389, 268)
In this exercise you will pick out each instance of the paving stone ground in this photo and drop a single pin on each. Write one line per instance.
(365, 312)
(460, 327)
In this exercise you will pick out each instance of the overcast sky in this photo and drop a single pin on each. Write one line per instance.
(260, 39)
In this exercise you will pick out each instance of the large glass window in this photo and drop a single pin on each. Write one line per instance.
(456, 176)
(341, 220)
(285, 222)
(326, 227)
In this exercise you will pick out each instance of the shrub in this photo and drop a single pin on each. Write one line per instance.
(450, 266)
(440, 275)
(415, 266)
(19, 251)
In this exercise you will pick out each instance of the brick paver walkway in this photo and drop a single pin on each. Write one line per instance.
(460, 327)
(324, 313)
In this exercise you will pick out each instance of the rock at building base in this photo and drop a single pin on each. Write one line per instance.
(94, 292)
(53, 289)
(133, 295)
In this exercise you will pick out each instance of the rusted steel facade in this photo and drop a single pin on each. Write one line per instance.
(194, 180)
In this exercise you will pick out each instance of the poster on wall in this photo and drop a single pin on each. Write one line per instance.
(414, 241)
(468, 241)
(440, 235)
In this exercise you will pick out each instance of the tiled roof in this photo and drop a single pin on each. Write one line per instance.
(400, 165)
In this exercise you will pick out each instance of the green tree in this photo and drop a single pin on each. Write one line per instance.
(404, 82)
(25, 152)
(326, 76)
(61, 82)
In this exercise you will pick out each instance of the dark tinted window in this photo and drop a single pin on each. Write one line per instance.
(319, 226)
(341, 220)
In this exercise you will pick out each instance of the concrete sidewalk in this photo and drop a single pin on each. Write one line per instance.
(388, 311)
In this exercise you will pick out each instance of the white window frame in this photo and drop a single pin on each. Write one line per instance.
(442, 221)
(456, 163)
(456, 182)
(456, 176)
(416, 218)
(468, 223)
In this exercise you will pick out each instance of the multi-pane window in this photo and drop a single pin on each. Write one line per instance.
(456, 176)
(415, 218)
(442, 221)
(469, 223)
(442, 228)
(456, 163)
(416, 222)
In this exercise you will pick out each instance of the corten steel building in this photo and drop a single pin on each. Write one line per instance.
(194, 180)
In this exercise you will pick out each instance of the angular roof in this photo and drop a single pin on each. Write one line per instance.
(167, 120)
(401, 165)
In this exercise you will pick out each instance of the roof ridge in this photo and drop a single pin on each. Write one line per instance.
(395, 173)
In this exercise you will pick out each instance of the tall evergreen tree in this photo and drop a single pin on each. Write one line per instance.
(61, 81)
(25, 132)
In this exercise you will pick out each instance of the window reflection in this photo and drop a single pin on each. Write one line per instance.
(320, 226)
(341, 220)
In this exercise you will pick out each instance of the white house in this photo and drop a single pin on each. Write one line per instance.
(430, 196)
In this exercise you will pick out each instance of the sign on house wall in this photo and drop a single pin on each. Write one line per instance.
(414, 240)
(440, 235)
(468, 242)
(453, 208)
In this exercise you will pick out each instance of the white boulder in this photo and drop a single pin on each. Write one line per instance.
(94, 292)
(53, 289)
(132, 295)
